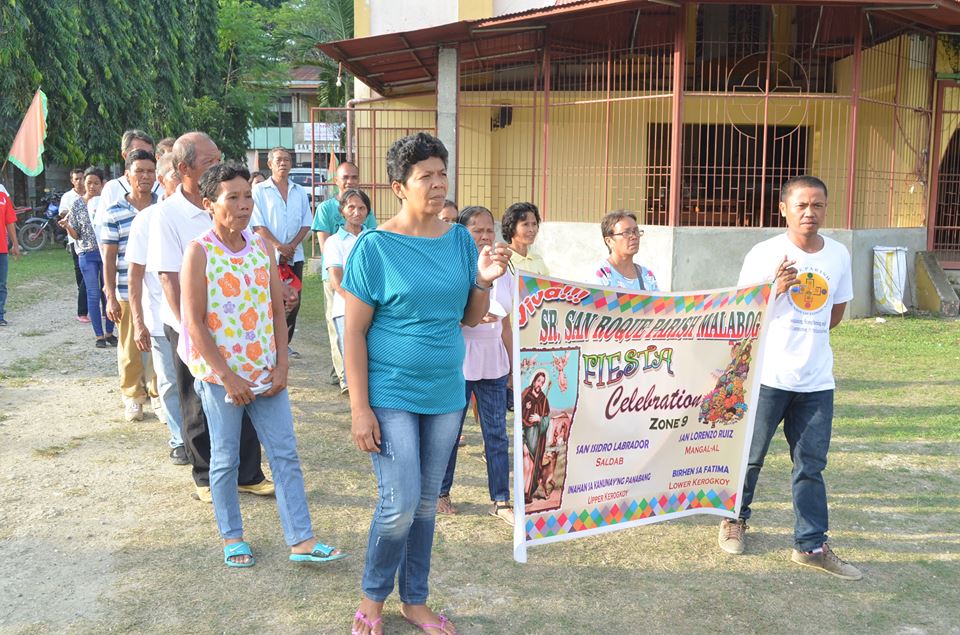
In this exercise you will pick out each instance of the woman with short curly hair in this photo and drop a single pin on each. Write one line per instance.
(408, 286)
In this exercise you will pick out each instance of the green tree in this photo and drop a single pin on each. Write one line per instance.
(173, 63)
(204, 49)
(117, 73)
(301, 25)
(20, 76)
(58, 62)
(253, 73)
(166, 66)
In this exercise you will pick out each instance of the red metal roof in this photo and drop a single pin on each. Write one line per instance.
(305, 74)
(399, 63)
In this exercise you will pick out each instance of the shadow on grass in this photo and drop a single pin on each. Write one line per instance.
(867, 384)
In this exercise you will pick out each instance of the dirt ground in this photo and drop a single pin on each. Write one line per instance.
(91, 507)
(98, 533)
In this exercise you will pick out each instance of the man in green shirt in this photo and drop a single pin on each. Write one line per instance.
(326, 223)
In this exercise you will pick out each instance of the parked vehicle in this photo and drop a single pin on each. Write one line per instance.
(315, 185)
(34, 232)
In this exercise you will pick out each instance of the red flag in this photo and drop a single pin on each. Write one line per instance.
(331, 171)
(27, 150)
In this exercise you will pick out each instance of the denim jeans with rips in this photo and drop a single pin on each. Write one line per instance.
(409, 467)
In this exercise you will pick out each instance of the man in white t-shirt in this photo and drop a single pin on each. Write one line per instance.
(66, 204)
(176, 221)
(812, 284)
(146, 297)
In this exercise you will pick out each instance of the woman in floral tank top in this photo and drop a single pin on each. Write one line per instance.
(236, 346)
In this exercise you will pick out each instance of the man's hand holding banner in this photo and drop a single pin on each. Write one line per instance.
(630, 408)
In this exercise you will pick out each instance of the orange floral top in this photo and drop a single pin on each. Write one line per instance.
(239, 311)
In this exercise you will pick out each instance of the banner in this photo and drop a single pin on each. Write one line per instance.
(630, 408)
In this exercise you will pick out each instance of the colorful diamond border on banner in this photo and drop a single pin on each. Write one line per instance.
(658, 305)
(562, 522)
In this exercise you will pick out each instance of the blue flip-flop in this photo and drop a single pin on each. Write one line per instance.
(320, 553)
(238, 549)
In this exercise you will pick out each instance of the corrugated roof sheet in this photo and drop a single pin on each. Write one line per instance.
(397, 63)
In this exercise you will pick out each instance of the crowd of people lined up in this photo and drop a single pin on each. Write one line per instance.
(192, 268)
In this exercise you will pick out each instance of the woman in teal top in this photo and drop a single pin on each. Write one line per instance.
(408, 286)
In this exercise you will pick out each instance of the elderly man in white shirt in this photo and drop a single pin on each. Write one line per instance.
(282, 217)
(176, 221)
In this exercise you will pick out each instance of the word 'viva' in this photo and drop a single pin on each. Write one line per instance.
(565, 293)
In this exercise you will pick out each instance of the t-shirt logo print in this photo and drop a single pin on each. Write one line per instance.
(811, 293)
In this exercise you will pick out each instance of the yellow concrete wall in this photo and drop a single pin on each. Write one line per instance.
(361, 18)
(891, 188)
(500, 166)
(475, 9)
(474, 180)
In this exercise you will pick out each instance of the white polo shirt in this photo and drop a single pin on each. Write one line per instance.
(335, 253)
(284, 219)
(175, 222)
(138, 247)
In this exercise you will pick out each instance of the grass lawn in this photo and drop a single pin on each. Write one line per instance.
(311, 309)
(892, 484)
(37, 273)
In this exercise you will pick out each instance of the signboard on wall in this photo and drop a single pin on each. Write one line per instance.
(326, 135)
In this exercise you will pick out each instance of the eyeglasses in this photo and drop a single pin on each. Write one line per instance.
(630, 233)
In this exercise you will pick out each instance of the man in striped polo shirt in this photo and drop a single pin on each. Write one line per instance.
(137, 380)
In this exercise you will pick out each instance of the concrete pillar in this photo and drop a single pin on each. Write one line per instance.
(448, 86)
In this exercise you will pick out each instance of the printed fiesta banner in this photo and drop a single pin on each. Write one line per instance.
(630, 408)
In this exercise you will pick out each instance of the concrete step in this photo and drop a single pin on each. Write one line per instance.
(937, 292)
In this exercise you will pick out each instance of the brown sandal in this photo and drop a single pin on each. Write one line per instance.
(504, 511)
(445, 505)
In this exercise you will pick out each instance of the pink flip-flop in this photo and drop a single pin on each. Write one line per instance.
(442, 626)
(366, 622)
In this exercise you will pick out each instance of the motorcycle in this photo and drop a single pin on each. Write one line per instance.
(36, 231)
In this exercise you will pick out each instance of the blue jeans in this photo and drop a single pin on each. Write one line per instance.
(492, 407)
(167, 385)
(273, 420)
(807, 423)
(413, 455)
(4, 268)
(91, 266)
(338, 325)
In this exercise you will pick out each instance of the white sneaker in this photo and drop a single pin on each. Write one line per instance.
(158, 411)
(132, 411)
